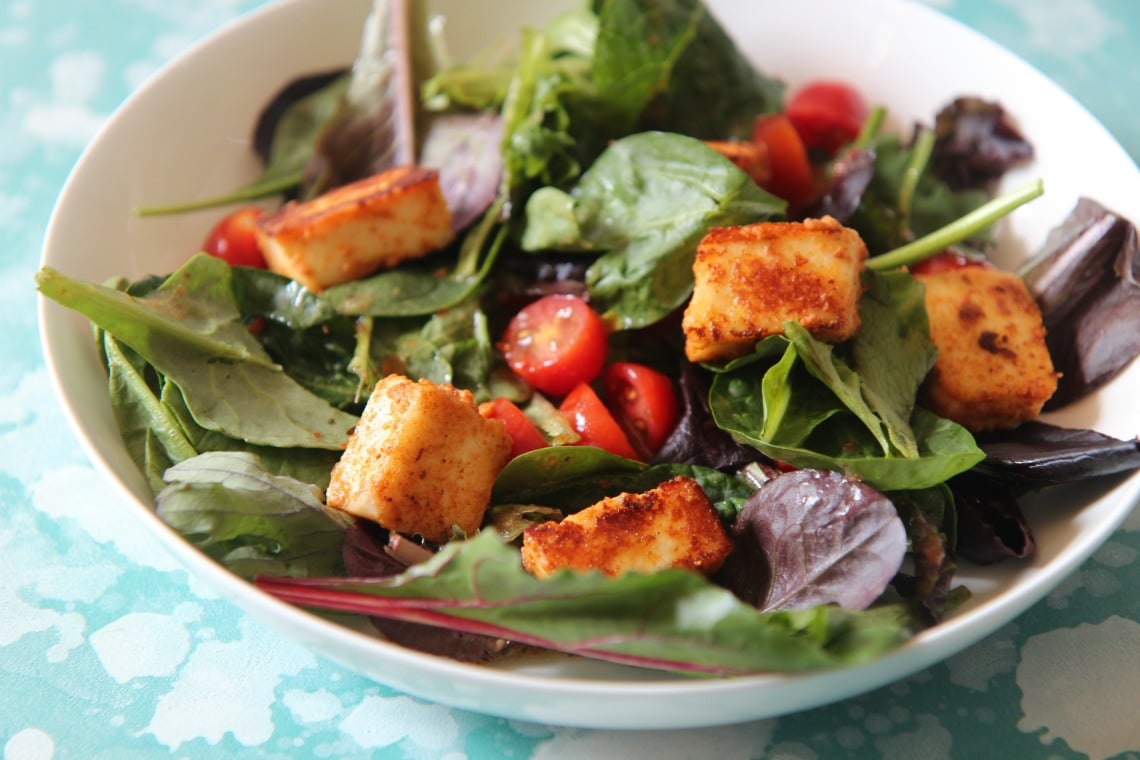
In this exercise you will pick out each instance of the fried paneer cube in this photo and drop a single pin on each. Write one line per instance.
(671, 526)
(993, 368)
(357, 229)
(421, 460)
(749, 281)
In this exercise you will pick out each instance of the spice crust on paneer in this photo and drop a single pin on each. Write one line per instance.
(671, 526)
(748, 281)
(357, 229)
(421, 460)
(993, 368)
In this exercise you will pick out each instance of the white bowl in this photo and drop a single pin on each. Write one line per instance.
(185, 134)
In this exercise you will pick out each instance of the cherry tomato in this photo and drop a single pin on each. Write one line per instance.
(643, 402)
(234, 239)
(525, 435)
(827, 114)
(594, 423)
(555, 343)
(946, 261)
(791, 173)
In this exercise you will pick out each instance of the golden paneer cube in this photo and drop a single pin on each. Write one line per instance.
(421, 460)
(671, 526)
(357, 229)
(993, 368)
(750, 280)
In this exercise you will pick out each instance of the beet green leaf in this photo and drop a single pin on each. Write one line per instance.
(674, 620)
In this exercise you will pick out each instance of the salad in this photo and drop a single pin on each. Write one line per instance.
(236, 387)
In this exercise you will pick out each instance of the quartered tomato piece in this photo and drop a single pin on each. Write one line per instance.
(555, 343)
(594, 423)
(791, 173)
(234, 239)
(525, 435)
(827, 114)
(643, 402)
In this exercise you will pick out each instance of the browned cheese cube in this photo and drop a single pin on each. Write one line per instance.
(421, 460)
(748, 281)
(671, 526)
(357, 229)
(993, 368)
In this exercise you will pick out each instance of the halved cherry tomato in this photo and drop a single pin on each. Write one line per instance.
(643, 401)
(524, 434)
(827, 114)
(555, 343)
(946, 261)
(791, 173)
(594, 423)
(234, 240)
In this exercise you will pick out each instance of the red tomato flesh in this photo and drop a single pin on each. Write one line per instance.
(234, 239)
(946, 261)
(643, 402)
(827, 114)
(792, 177)
(555, 343)
(525, 435)
(594, 423)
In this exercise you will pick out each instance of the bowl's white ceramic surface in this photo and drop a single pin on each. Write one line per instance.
(185, 135)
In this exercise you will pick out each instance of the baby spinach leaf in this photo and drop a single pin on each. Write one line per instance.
(150, 431)
(835, 439)
(412, 290)
(646, 202)
(570, 478)
(251, 521)
(894, 324)
(715, 92)
(819, 359)
(313, 466)
(672, 620)
(190, 330)
(638, 44)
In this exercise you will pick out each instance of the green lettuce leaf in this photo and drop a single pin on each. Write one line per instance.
(190, 330)
(645, 204)
(673, 620)
(250, 520)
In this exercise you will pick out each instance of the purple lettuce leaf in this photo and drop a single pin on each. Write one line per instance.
(464, 148)
(1036, 454)
(697, 439)
(991, 526)
(815, 537)
(1086, 280)
(976, 142)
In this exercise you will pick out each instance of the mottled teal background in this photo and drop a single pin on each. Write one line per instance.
(108, 649)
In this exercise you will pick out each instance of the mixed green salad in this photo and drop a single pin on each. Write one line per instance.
(582, 162)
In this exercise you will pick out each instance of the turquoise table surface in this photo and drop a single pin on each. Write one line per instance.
(81, 588)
